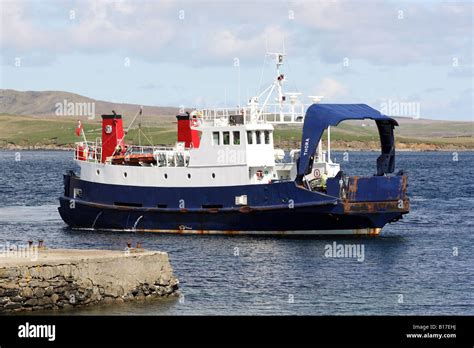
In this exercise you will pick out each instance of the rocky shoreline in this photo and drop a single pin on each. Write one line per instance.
(13, 147)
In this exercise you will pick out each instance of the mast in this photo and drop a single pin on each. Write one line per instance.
(279, 80)
(277, 84)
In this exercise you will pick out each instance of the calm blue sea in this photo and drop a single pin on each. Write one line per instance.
(423, 264)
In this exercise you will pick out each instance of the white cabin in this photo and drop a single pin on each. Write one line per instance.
(235, 147)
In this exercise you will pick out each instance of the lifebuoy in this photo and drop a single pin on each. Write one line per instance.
(81, 152)
(85, 153)
(317, 173)
(195, 122)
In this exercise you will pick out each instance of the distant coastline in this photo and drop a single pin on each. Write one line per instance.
(30, 121)
(400, 147)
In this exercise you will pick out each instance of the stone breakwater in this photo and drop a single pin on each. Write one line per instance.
(66, 278)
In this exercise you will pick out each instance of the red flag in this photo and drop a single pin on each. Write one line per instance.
(79, 128)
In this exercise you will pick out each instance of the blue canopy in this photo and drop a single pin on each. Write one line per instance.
(320, 116)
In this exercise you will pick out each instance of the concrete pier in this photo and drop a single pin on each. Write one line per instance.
(40, 278)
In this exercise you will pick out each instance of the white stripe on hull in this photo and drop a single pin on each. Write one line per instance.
(360, 231)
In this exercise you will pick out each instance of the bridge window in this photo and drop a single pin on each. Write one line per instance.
(267, 137)
(236, 136)
(259, 137)
(249, 138)
(226, 138)
(215, 138)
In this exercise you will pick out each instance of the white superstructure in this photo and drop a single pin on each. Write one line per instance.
(236, 147)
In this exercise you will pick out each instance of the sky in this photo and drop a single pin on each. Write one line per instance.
(194, 53)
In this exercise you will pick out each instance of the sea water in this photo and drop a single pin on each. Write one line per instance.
(423, 264)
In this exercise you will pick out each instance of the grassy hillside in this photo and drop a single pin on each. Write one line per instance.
(44, 104)
(29, 119)
(428, 135)
(31, 131)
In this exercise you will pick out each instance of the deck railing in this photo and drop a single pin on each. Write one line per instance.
(90, 151)
(271, 113)
(164, 156)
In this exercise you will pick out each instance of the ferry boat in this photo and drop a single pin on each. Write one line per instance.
(225, 176)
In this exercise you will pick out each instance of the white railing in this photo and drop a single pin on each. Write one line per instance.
(164, 156)
(286, 113)
(136, 149)
(210, 114)
(271, 113)
(90, 151)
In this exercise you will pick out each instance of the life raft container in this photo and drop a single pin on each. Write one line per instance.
(134, 159)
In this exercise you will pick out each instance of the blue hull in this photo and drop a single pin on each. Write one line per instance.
(276, 208)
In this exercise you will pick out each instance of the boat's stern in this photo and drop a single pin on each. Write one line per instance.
(381, 198)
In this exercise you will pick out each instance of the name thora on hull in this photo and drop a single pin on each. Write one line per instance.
(224, 154)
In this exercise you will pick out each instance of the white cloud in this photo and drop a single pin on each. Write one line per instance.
(229, 44)
(214, 31)
(388, 33)
(18, 31)
(330, 89)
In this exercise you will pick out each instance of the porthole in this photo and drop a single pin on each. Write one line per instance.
(124, 174)
(166, 176)
(97, 171)
(213, 175)
(189, 176)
